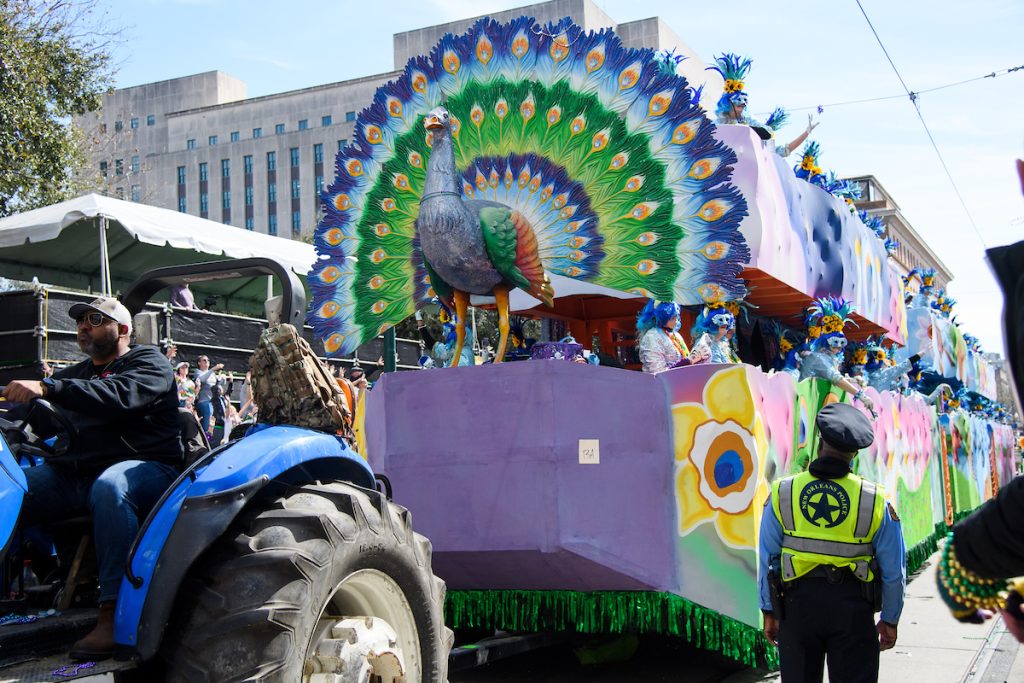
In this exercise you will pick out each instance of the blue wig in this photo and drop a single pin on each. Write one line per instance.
(656, 314)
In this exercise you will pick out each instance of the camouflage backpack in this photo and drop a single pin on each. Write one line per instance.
(291, 386)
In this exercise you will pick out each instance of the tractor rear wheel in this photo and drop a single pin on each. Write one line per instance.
(324, 584)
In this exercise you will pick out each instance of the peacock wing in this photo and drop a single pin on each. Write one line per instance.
(512, 247)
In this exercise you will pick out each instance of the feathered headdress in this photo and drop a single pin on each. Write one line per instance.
(830, 315)
(808, 168)
(733, 69)
(777, 119)
(656, 314)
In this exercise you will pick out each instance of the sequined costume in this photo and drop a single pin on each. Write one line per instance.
(820, 364)
(661, 350)
(721, 350)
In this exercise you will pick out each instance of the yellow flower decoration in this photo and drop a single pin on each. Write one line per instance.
(720, 447)
(831, 324)
(733, 85)
(814, 331)
(785, 345)
(860, 357)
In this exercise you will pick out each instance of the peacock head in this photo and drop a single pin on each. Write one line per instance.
(437, 120)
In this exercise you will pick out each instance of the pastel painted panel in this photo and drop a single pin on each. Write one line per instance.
(803, 236)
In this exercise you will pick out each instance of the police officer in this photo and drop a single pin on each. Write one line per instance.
(831, 545)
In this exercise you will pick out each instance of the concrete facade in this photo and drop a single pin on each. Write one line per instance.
(202, 129)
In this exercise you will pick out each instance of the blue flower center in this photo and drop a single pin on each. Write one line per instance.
(728, 469)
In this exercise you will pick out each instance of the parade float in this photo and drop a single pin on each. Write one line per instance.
(555, 173)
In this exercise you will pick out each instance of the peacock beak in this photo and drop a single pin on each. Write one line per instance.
(432, 122)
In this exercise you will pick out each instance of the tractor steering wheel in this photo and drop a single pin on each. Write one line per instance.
(23, 441)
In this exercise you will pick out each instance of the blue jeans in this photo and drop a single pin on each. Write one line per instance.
(205, 410)
(118, 499)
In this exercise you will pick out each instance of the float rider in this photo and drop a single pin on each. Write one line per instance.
(127, 451)
(831, 554)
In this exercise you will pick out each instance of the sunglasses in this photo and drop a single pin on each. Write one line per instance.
(94, 319)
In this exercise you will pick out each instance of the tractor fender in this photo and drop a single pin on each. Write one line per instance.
(200, 506)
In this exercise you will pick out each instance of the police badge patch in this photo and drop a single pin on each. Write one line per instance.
(892, 512)
(824, 503)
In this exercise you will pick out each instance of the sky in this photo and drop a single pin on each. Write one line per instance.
(805, 52)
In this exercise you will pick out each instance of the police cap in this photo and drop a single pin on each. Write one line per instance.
(844, 427)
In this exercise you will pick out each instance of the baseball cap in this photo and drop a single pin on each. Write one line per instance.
(108, 306)
(182, 364)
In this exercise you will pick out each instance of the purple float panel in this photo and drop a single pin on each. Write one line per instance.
(496, 465)
(801, 235)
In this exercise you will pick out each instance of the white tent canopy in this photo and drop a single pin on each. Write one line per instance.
(95, 242)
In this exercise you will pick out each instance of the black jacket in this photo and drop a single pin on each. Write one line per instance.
(990, 542)
(127, 410)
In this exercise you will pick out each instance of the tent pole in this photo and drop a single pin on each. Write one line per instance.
(104, 258)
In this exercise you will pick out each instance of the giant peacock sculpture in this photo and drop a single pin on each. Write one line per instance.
(515, 155)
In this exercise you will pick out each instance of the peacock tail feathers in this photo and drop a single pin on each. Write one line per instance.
(602, 149)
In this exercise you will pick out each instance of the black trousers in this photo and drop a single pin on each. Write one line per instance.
(828, 620)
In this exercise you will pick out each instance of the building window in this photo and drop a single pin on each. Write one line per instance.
(318, 153)
(296, 193)
(119, 192)
(225, 199)
(296, 222)
(303, 124)
(341, 144)
(248, 195)
(190, 143)
(151, 120)
(279, 129)
(181, 175)
(103, 168)
(235, 136)
(350, 116)
(271, 192)
(271, 161)
(204, 172)
(250, 223)
(272, 225)
(118, 127)
(225, 168)
(247, 164)
(134, 123)
(204, 203)
(294, 154)
(325, 120)
(135, 163)
(213, 140)
(118, 166)
(319, 185)
(257, 133)
(182, 205)
(136, 193)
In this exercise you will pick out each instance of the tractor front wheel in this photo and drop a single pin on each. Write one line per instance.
(324, 584)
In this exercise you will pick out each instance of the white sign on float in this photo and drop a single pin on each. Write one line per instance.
(590, 451)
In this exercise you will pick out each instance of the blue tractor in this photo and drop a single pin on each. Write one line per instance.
(274, 557)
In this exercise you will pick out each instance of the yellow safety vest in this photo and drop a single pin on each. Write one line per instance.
(827, 521)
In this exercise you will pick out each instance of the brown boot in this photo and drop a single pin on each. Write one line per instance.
(99, 644)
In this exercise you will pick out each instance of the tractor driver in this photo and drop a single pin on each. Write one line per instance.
(124, 404)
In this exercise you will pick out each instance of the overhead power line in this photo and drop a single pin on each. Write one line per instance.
(917, 108)
(912, 95)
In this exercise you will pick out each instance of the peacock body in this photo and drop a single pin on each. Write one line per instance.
(571, 156)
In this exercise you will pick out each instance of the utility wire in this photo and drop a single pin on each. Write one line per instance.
(917, 108)
(994, 74)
